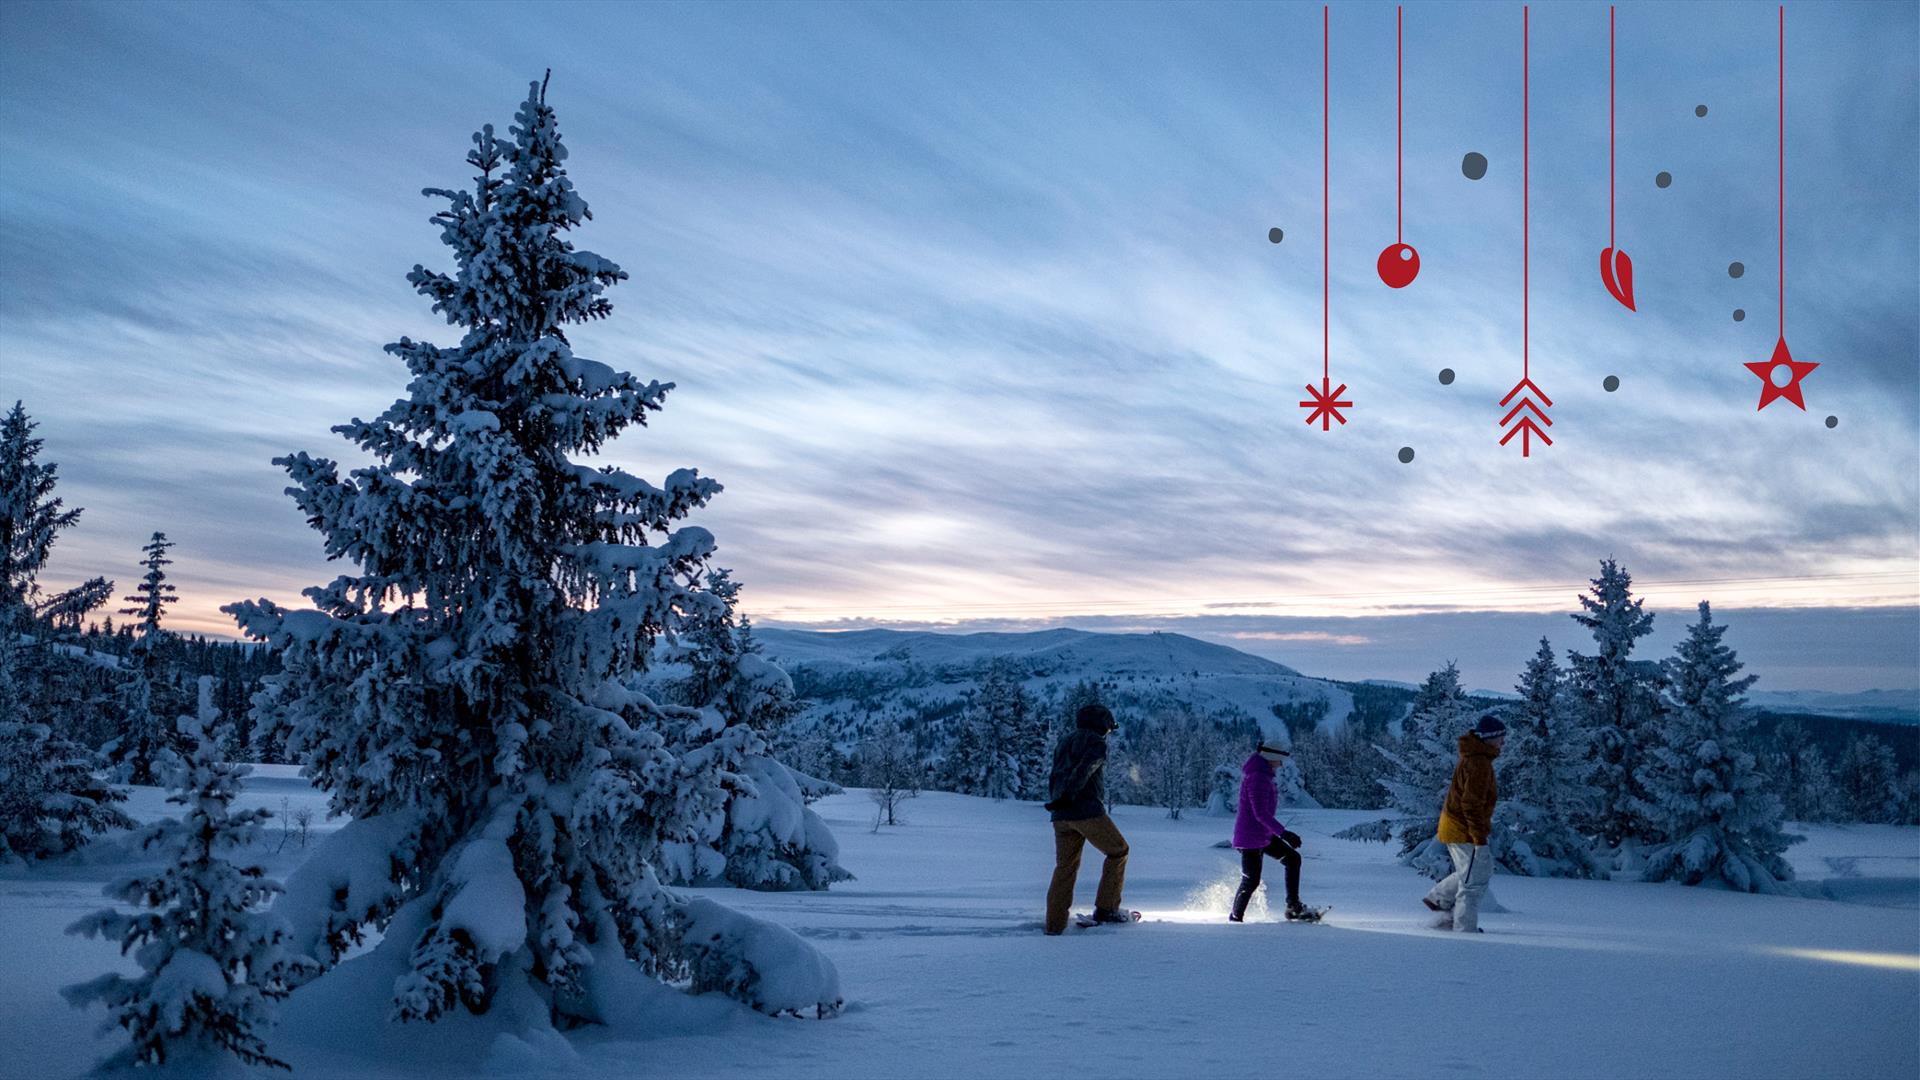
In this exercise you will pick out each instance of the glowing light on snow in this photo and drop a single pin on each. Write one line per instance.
(1894, 961)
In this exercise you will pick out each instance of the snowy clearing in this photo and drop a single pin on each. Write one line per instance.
(938, 944)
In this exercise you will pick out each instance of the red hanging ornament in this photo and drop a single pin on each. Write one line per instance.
(1399, 263)
(1780, 374)
(1616, 270)
(1528, 419)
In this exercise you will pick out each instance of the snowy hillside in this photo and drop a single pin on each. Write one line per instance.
(839, 672)
(947, 973)
(1880, 706)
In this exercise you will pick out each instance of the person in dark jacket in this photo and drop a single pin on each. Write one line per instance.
(1077, 800)
(1258, 835)
(1466, 823)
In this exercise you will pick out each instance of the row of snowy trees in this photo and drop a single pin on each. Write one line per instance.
(1613, 764)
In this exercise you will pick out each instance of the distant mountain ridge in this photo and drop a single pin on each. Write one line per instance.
(1126, 654)
(845, 678)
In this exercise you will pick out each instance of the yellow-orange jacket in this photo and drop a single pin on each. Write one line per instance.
(1467, 815)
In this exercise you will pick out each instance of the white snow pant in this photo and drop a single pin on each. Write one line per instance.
(1461, 890)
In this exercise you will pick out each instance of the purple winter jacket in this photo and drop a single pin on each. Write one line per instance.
(1254, 827)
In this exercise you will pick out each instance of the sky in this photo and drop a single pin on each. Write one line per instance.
(973, 309)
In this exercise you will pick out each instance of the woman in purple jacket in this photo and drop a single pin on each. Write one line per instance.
(1257, 834)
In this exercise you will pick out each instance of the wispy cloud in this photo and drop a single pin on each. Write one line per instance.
(972, 310)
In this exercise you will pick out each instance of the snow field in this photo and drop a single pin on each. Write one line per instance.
(938, 946)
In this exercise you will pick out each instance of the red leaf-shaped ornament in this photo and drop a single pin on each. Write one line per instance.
(1616, 270)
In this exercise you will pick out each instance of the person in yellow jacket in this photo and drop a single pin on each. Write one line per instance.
(1466, 819)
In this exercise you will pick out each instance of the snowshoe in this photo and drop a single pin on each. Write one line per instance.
(1303, 913)
(1098, 917)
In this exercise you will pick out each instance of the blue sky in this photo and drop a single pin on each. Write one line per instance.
(972, 308)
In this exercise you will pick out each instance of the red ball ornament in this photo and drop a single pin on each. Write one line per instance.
(1399, 265)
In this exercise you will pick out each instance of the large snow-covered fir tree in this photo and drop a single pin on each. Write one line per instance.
(211, 962)
(1615, 701)
(1714, 816)
(1420, 766)
(466, 695)
(1543, 781)
(757, 831)
(140, 753)
(50, 800)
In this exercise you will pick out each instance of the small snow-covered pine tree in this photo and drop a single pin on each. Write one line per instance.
(1803, 776)
(1420, 767)
(142, 750)
(1615, 699)
(1869, 781)
(211, 962)
(759, 832)
(1543, 784)
(50, 800)
(1714, 816)
(465, 695)
(1002, 717)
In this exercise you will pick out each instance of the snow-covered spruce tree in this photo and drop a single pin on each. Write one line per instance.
(1715, 817)
(1223, 792)
(140, 753)
(995, 747)
(464, 696)
(31, 516)
(1420, 766)
(1802, 776)
(50, 800)
(211, 962)
(758, 832)
(1615, 699)
(1869, 781)
(1543, 781)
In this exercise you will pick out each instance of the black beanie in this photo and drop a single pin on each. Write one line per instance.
(1095, 717)
(1489, 727)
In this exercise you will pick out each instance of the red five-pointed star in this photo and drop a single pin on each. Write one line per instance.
(1766, 368)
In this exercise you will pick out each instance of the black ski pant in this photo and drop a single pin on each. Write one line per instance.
(1251, 860)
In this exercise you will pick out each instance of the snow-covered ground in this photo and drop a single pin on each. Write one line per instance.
(947, 973)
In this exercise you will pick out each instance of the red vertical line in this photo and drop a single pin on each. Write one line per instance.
(1326, 215)
(1783, 172)
(1399, 123)
(1526, 174)
(1610, 126)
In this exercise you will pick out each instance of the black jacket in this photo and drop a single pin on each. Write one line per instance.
(1078, 786)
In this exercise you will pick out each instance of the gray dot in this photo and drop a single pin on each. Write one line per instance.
(1665, 179)
(1611, 382)
(1699, 110)
(1739, 314)
(1446, 376)
(1474, 165)
(1406, 454)
(1274, 235)
(1833, 421)
(1736, 269)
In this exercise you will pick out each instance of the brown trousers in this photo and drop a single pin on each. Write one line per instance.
(1069, 837)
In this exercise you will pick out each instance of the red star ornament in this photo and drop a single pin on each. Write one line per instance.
(1765, 369)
